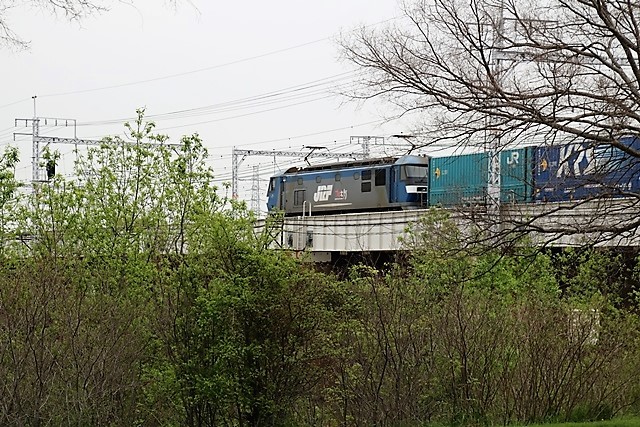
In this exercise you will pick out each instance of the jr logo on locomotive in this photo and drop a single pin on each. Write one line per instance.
(322, 193)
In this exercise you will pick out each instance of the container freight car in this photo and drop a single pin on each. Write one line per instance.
(580, 171)
(458, 180)
(535, 174)
(369, 185)
(463, 179)
(516, 175)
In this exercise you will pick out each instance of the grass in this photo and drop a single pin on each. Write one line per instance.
(623, 422)
(627, 422)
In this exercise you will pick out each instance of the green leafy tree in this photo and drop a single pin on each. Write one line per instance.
(78, 327)
(460, 335)
(8, 187)
(247, 326)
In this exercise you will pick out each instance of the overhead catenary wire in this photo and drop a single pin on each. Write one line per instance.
(185, 73)
(243, 115)
(313, 91)
(209, 68)
(15, 103)
(189, 72)
(311, 88)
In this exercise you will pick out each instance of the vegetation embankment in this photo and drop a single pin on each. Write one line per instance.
(630, 422)
(138, 294)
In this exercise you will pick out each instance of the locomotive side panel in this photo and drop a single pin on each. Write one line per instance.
(333, 191)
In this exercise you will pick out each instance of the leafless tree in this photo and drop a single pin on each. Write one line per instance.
(495, 73)
(73, 10)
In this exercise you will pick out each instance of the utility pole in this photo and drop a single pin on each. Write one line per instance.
(498, 58)
(35, 148)
(255, 191)
(365, 141)
(38, 141)
(493, 185)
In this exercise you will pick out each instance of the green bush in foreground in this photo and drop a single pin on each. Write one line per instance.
(140, 295)
(468, 337)
(631, 422)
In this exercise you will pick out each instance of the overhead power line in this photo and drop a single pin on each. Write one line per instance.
(185, 73)
(199, 70)
(314, 87)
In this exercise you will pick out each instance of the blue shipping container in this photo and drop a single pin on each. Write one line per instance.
(581, 171)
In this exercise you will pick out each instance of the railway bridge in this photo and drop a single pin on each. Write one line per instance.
(565, 224)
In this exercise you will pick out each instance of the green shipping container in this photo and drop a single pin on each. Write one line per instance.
(462, 180)
(459, 180)
(516, 175)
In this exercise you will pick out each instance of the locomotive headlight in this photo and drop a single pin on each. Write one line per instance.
(415, 189)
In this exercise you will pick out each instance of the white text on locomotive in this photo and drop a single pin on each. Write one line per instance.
(322, 193)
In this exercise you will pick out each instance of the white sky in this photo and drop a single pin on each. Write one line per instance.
(216, 52)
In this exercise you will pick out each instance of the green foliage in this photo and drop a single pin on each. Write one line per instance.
(249, 327)
(586, 274)
(8, 196)
(78, 338)
(8, 184)
(465, 336)
(626, 422)
(443, 259)
(136, 294)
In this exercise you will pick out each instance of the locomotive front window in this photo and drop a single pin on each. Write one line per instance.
(415, 173)
(272, 185)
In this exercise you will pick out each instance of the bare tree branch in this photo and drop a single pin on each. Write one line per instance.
(72, 10)
(530, 72)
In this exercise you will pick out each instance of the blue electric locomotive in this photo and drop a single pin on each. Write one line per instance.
(389, 183)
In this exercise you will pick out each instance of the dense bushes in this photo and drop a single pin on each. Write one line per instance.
(470, 354)
(140, 295)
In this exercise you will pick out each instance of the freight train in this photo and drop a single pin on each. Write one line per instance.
(533, 174)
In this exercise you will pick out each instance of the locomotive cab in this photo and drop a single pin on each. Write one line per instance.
(415, 177)
(275, 193)
(412, 187)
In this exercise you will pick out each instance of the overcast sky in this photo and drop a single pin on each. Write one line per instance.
(254, 75)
